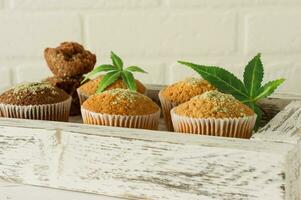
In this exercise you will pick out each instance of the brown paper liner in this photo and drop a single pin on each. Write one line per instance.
(166, 108)
(139, 121)
(53, 112)
(230, 127)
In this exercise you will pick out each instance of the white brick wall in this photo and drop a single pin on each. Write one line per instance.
(154, 34)
(25, 35)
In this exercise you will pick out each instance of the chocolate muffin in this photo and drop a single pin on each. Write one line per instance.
(69, 85)
(121, 107)
(35, 101)
(90, 87)
(69, 59)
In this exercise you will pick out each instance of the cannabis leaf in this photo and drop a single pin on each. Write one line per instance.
(225, 80)
(116, 60)
(107, 80)
(128, 78)
(115, 72)
(250, 91)
(268, 89)
(253, 75)
(101, 68)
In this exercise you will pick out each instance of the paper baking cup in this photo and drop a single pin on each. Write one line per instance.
(230, 127)
(166, 108)
(139, 121)
(53, 112)
(83, 97)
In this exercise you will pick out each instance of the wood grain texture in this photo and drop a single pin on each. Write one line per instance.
(143, 164)
(285, 127)
(13, 191)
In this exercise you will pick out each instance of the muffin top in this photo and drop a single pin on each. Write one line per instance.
(33, 94)
(213, 104)
(90, 87)
(69, 59)
(120, 102)
(184, 90)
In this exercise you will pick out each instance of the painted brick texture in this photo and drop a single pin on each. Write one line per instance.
(154, 34)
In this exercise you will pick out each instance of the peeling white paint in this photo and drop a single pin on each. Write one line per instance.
(143, 164)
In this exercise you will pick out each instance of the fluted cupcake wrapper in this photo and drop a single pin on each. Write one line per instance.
(150, 121)
(229, 127)
(82, 97)
(53, 112)
(166, 108)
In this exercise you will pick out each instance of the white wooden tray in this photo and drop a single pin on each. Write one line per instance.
(143, 164)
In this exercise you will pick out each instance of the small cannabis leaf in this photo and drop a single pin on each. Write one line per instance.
(250, 91)
(253, 75)
(115, 71)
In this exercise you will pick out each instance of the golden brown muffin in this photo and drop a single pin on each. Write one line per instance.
(213, 104)
(120, 102)
(184, 90)
(121, 108)
(214, 113)
(39, 101)
(69, 59)
(181, 92)
(69, 85)
(33, 94)
(90, 87)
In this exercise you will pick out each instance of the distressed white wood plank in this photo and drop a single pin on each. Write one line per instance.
(284, 127)
(30, 126)
(12, 191)
(144, 164)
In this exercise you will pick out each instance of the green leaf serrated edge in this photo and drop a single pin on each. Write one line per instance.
(107, 80)
(101, 68)
(129, 80)
(116, 61)
(135, 69)
(268, 89)
(221, 79)
(253, 75)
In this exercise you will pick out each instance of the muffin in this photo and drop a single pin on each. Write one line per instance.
(69, 59)
(214, 113)
(90, 87)
(69, 85)
(39, 101)
(181, 92)
(121, 108)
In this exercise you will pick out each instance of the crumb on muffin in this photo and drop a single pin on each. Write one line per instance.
(90, 87)
(184, 90)
(69, 59)
(213, 104)
(120, 102)
(34, 93)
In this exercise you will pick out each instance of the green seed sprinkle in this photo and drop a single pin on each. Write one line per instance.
(122, 94)
(33, 88)
(192, 80)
